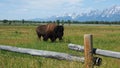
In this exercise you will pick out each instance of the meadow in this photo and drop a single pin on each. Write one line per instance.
(104, 37)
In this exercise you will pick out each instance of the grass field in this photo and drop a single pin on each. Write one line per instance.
(104, 37)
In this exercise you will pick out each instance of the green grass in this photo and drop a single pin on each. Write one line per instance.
(104, 37)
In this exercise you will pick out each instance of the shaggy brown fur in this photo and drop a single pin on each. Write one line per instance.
(50, 27)
(41, 30)
(51, 31)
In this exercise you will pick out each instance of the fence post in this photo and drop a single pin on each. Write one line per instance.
(88, 46)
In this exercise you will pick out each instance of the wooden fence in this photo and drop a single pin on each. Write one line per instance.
(89, 60)
(88, 50)
(43, 53)
(96, 51)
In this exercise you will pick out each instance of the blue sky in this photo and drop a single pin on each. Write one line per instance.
(29, 9)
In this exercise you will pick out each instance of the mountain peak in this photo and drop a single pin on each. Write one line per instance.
(109, 14)
(116, 7)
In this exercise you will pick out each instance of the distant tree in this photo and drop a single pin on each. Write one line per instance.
(58, 22)
(10, 22)
(5, 21)
(43, 22)
(13, 21)
(49, 21)
(23, 21)
(62, 22)
(69, 22)
(53, 21)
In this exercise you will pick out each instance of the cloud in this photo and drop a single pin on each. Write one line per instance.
(53, 6)
(32, 8)
(40, 4)
(49, 4)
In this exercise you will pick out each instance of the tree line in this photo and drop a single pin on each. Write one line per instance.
(5, 21)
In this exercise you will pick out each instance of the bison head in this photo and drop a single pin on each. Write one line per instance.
(59, 31)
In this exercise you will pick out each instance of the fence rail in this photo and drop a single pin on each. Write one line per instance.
(43, 53)
(95, 51)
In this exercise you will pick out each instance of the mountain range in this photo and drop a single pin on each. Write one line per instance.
(108, 14)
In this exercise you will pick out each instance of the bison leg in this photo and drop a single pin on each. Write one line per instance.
(52, 38)
(45, 37)
(60, 38)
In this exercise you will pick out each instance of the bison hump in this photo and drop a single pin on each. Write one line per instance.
(50, 27)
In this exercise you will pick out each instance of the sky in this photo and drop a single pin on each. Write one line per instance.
(30, 9)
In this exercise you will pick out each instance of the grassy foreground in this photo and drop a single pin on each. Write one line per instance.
(104, 37)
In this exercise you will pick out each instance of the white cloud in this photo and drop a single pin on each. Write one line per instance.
(41, 7)
(52, 7)
(50, 4)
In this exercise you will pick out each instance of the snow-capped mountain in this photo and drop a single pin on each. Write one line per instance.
(115, 10)
(109, 14)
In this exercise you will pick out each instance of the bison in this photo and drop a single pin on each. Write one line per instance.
(52, 31)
